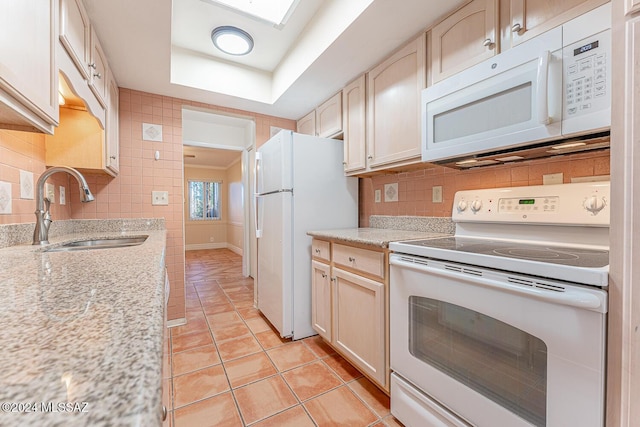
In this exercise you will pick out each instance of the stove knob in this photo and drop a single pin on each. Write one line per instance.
(594, 204)
(462, 206)
(476, 205)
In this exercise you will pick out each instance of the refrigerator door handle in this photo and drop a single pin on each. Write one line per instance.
(258, 217)
(257, 171)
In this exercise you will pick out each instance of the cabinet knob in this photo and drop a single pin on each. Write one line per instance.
(488, 43)
(516, 28)
(112, 157)
(370, 157)
(97, 75)
(324, 276)
(317, 251)
(92, 65)
(352, 259)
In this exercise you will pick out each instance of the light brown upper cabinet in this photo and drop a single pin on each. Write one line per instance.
(393, 107)
(530, 18)
(307, 124)
(98, 70)
(329, 117)
(354, 124)
(465, 38)
(28, 74)
(75, 34)
(325, 121)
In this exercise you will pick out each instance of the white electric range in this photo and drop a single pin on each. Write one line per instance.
(504, 323)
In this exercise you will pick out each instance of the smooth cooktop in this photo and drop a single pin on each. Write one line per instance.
(568, 256)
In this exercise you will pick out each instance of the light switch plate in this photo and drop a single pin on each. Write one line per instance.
(391, 192)
(377, 196)
(436, 194)
(62, 195)
(159, 197)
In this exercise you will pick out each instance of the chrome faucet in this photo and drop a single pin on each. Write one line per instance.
(43, 215)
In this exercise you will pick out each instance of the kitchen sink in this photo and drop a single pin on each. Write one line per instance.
(83, 245)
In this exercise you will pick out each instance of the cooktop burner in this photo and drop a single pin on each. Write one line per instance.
(578, 257)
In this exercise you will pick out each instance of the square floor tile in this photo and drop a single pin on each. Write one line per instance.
(197, 324)
(238, 347)
(372, 396)
(230, 331)
(340, 366)
(319, 346)
(271, 339)
(291, 356)
(294, 417)
(218, 411)
(311, 380)
(195, 359)
(249, 369)
(258, 324)
(264, 398)
(199, 385)
(223, 319)
(339, 407)
(188, 341)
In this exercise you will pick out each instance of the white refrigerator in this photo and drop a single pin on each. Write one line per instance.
(300, 187)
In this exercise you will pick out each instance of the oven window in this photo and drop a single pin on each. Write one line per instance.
(503, 363)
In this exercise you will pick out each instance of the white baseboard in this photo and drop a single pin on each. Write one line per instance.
(176, 322)
(200, 246)
(234, 249)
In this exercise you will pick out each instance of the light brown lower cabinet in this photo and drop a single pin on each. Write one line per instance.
(350, 305)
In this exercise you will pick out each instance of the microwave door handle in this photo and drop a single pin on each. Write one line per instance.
(543, 84)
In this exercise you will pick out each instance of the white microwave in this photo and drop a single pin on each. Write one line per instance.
(554, 87)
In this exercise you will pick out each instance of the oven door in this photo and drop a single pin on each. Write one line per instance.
(497, 349)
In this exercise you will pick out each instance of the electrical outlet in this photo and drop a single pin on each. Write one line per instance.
(377, 196)
(552, 178)
(63, 195)
(436, 194)
(159, 197)
(212, 239)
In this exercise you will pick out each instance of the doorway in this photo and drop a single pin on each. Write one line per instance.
(217, 150)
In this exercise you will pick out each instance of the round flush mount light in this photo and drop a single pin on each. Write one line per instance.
(232, 40)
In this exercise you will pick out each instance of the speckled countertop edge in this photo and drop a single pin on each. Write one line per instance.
(84, 327)
(386, 229)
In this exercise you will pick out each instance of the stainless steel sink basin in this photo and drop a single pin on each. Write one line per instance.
(83, 245)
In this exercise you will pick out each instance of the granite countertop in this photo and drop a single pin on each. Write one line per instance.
(82, 333)
(379, 237)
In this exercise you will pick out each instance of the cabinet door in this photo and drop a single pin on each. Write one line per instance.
(321, 299)
(98, 65)
(354, 125)
(359, 322)
(28, 75)
(393, 108)
(465, 38)
(75, 34)
(530, 18)
(112, 127)
(307, 124)
(329, 117)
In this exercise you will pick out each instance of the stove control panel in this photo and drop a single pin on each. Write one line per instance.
(570, 204)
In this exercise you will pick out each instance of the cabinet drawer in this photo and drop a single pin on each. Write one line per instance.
(364, 260)
(320, 250)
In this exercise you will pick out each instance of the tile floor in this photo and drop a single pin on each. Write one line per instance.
(227, 366)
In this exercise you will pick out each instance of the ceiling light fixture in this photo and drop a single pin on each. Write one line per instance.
(232, 40)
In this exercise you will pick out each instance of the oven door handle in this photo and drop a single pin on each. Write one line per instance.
(570, 297)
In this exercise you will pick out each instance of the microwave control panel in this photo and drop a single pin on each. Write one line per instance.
(587, 75)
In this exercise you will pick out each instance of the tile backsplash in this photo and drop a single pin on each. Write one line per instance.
(414, 197)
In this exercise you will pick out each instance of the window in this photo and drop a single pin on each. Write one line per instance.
(204, 200)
